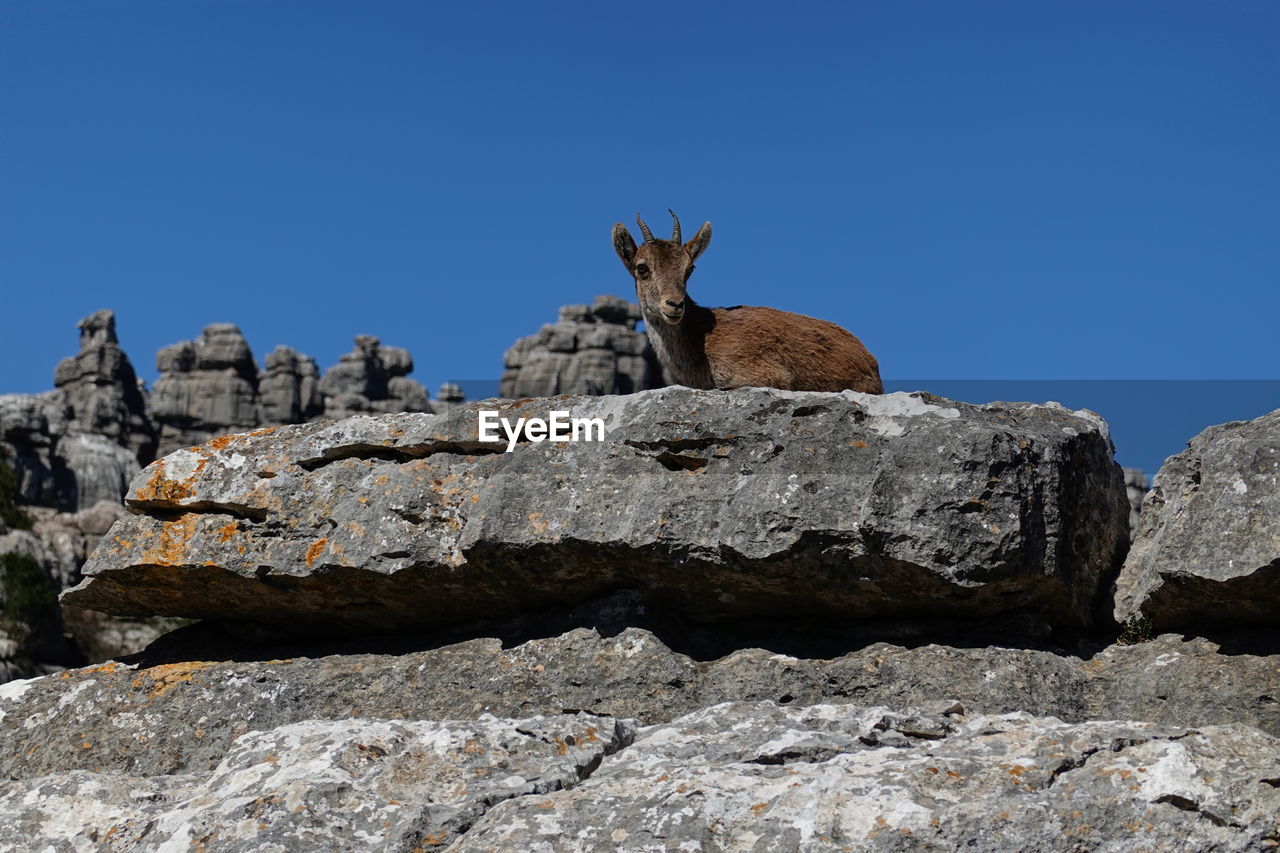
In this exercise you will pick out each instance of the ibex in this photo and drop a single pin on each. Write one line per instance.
(734, 347)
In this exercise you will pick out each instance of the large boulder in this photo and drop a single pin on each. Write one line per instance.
(591, 349)
(1207, 550)
(848, 511)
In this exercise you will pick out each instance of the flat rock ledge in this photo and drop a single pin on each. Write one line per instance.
(732, 777)
(722, 505)
(175, 716)
(1207, 549)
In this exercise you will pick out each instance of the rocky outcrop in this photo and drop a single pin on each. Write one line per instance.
(207, 387)
(289, 388)
(1136, 485)
(592, 349)
(752, 776)
(372, 378)
(1207, 550)
(861, 511)
(741, 776)
(100, 390)
(82, 442)
(341, 785)
(194, 676)
(671, 636)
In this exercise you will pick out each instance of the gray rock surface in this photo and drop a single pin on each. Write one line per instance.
(207, 387)
(139, 718)
(592, 349)
(320, 785)
(100, 389)
(372, 378)
(739, 776)
(1136, 484)
(754, 777)
(753, 503)
(82, 442)
(1207, 551)
(289, 388)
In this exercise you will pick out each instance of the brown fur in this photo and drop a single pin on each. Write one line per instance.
(740, 346)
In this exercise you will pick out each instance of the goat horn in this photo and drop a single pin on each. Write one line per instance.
(675, 236)
(644, 229)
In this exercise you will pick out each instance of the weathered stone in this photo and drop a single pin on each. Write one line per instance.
(754, 777)
(1207, 551)
(207, 387)
(449, 396)
(1136, 485)
(632, 674)
(593, 349)
(372, 378)
(289, 388)
(101, 391)
(82, 442)
(333, 785)
(845, 508)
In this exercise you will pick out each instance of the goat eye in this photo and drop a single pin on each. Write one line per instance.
(642, 270)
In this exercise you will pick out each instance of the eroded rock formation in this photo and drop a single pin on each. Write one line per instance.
(82, 442)
(1207, 548)
(592, 349)
(372, 378)
(847, 508)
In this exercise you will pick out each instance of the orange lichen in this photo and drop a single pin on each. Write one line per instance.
(227, 531)
(168, 546)
(314, 552)
(165, 677)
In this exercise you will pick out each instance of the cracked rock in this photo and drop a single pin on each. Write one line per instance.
(1207, 549)
(754, 503)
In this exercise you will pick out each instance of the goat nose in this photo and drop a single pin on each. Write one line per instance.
(674, 305)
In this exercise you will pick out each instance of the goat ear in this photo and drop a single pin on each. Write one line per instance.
(624, 245)
(700, 242)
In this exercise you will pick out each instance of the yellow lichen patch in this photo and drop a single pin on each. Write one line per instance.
(539, 526)
(167, 676)
(314, 552)
(227, 531)
(759, 809)
(858, 444)
(221, 442)
(86, 745)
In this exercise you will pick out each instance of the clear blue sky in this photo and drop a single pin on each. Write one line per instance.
(978, 190)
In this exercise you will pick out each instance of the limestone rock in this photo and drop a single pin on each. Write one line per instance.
(83, 441)
(757, 503)
(207, 387)
(1171, 681)
(749, 777)
(372, 378)
(737, 776)
(100, 389)
(449, 396)
(1136, 484)
(334, 785)
(290, 388)
(592, 349)
(1207, 551)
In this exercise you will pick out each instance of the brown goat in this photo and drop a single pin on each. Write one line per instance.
(740, 346)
